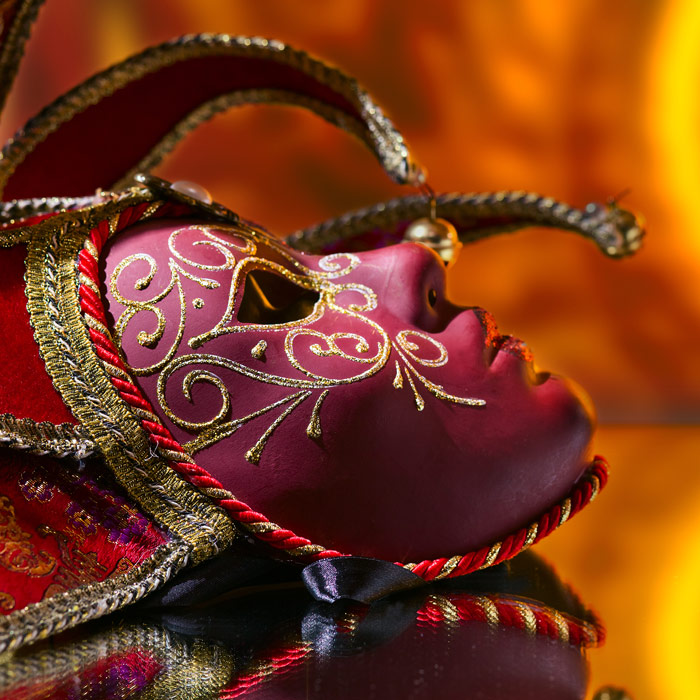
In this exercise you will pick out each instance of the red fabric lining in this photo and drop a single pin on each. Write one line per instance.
(26, 390)
(99, 145)
(61, 528)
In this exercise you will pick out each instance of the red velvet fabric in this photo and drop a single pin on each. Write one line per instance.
(26, 390)
(60, 528)
(98, 146)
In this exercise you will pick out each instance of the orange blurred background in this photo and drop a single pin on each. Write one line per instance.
(577, 100)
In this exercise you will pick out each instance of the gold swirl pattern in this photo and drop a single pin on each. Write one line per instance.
(17, 553)
(238, 248)
(409, 347)
(134, 307)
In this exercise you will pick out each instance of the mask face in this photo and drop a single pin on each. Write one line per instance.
(342, 396)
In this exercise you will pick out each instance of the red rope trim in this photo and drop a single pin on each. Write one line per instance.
(260, 526)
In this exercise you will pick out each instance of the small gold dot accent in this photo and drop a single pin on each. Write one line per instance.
(258, 352)
(198, 303)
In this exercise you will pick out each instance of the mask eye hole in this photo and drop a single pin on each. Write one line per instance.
(432, 297)
(270, 299)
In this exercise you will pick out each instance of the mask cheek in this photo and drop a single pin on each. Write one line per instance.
(568, 410)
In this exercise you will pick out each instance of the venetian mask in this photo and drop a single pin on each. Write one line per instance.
(306, 399)
(344, 395)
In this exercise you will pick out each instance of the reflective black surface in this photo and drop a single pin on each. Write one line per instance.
(514, 631)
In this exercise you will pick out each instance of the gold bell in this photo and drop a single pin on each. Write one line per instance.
(438, 234)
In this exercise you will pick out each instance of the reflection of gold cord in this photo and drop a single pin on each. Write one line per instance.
(501, 611)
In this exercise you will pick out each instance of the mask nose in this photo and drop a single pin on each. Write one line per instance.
(410, 284)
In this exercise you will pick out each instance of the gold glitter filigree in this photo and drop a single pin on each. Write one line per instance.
(253, 455)
(409, 347)
(420, 404)
(239, 247)
(313, 429)
(376, 361)
(217, 432)
(204, 376)
(398, 377)
(436, 389)
(258, 351)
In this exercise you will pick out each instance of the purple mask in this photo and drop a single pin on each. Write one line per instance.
(343, 396)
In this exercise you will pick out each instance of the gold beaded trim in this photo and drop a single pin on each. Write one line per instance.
(64, 440)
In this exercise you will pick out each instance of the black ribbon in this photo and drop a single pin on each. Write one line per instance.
(231, 569)
(357, 578)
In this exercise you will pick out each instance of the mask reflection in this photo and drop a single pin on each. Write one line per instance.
(514, 631)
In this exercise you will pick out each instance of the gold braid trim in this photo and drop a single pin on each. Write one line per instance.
(64, 440)
(13, 45)
(60, 208)
(80, 377)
